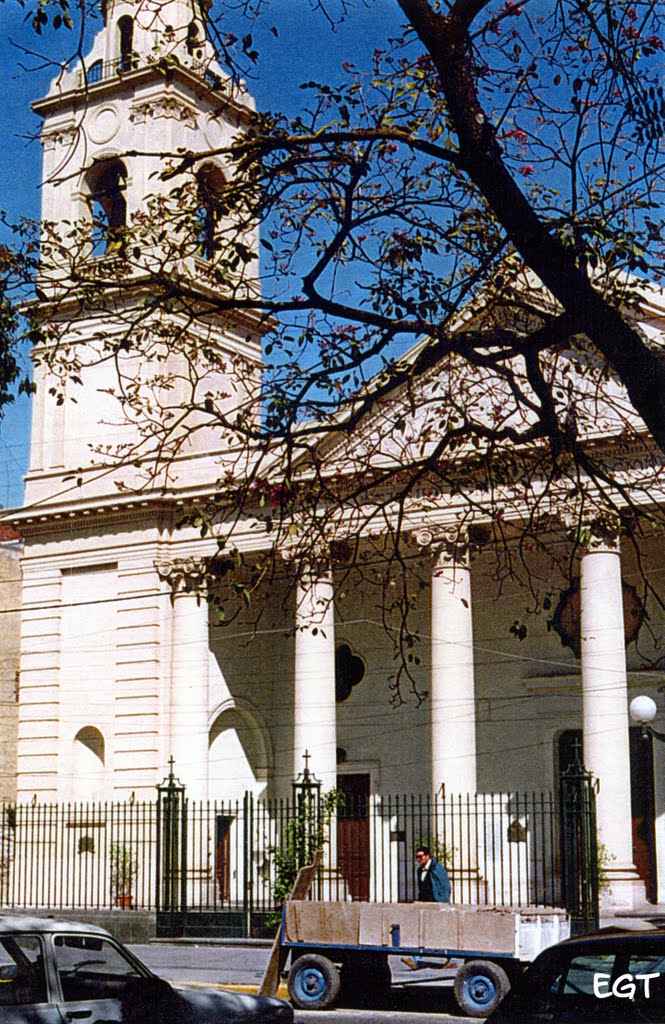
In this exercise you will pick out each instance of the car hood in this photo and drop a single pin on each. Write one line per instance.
(219, 1006)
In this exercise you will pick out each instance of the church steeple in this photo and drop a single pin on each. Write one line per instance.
(149, 29)
(150, 88)
(143, 33)
(151, 83)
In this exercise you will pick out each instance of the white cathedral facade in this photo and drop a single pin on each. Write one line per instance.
(123, 665)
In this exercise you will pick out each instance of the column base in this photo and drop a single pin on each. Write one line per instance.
(623, 889)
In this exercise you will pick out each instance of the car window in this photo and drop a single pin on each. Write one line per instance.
(582, 973)
(581, 979)
(613, 986)
(91, 968)
(647, 974)
(22, 977)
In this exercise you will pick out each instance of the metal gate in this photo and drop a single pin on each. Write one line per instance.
(579, 848)
(219, 866)
(194, 859)
(171, 853)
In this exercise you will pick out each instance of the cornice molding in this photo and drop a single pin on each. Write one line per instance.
(128, 82)
(114, 301)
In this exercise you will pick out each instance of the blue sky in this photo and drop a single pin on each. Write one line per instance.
(306, 49)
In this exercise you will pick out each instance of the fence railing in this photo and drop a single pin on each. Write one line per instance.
(498, 848)
(100, 70)
(82, 855)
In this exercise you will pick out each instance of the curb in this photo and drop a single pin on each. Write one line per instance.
(214, 941)
(282, 990)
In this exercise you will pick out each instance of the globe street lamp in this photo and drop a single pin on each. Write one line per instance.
(643, 710)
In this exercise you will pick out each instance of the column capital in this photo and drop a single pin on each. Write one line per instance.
(595, 530)
(594, 544)
(186, 576)
(448, 544)
(310, 561)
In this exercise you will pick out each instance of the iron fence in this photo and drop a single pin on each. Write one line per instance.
(221, 857)
(83, 855)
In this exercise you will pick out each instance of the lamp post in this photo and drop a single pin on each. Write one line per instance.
(643, 710)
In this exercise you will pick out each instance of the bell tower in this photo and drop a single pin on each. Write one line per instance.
(176, 27)
(133, 263)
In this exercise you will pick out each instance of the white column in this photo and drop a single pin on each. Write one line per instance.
(452, 694)
(605, 716)
(315, 725)
(189, 678)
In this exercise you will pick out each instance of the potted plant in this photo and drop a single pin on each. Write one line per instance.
(124, 866)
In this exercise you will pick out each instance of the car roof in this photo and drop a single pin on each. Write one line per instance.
(613, 933)
(25, 923)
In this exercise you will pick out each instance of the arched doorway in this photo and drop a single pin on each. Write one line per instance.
(238, 756)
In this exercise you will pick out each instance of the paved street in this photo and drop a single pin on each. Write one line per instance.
(376, 1017)
(424, 997)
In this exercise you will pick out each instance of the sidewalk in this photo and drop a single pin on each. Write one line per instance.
(649, 915)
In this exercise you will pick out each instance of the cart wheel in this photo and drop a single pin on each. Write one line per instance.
(313, 982)
(479, 987)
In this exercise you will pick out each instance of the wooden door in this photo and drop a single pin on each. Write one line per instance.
(223, 857)
(353, 834)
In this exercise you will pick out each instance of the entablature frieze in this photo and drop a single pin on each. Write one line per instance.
(34, 522)
(58, 138)
(166, 107)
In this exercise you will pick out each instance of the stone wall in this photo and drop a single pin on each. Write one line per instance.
(11, 549)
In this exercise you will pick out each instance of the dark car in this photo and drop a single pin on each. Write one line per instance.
(614, 977)
(54, 972)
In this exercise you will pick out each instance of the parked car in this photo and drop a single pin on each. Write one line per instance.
(52, 972)
(614, 977)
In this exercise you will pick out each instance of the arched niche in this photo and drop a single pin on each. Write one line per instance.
(194, 42)
(239, 754)
(88, 764)
(125, 43)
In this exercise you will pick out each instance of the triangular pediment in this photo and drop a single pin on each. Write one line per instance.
(469, 402)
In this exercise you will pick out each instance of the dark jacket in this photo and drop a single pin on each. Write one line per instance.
(440, 882)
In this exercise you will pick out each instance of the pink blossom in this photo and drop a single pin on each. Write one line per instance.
(527, 169)
(518, 134)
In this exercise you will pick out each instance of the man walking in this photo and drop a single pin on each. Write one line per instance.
(432, 877)
(433, 887)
